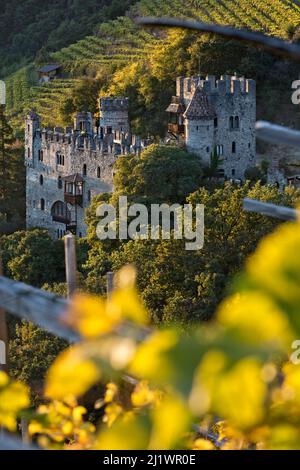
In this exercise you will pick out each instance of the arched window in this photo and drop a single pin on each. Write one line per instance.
(89, 196)
(41, 180)
(41, 155)
(42, 204)
(233, 147)
(59, 183)
(231, 122)
(98, 172)
(60, 212)
(236, 122)
(84, 170)
(220, 150)
(28, 152)
(216, 122)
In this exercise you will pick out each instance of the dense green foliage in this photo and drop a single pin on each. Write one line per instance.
(12, 178)
(161, 174)
(30, 29)
(176, 284)
(33, 257)
(143, 64)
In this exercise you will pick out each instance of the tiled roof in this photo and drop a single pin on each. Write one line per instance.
(176, 106)
(73, 178)
(49, 68)
(199, 107)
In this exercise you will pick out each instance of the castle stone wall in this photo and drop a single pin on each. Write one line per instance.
(230, 98)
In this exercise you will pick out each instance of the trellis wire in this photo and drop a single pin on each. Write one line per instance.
(9, 442)
(272, 44)
(277, 134)
(271, 210)
(42, 308)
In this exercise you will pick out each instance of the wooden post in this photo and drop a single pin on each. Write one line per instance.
(3, 335)
(71, 264)
(109, 283)
(24, 430)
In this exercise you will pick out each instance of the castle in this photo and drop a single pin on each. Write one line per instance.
(219, 116)
(65, 168)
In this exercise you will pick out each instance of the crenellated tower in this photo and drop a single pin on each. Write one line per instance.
(32, 138)
(114, 115)
(211, 115)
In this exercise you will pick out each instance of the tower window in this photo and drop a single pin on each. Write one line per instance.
(60, 159)
(233, 147)
(28, 128)
(99, 172)
(216, 122)
(89, 196)
(59, 183)
(234, 122)
(220, 150)
(41, 155)
(84, 170)
(208, 149)
(41, 180)
(42, 204)
(28, 152)
(233, 172)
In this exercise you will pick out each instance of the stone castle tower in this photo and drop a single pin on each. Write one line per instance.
(65, 168)
(219, 116)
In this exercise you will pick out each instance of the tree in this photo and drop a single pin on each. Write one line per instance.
(12, 177)
(33, 257)
(83, 98)
(184, 286)
(162, 174)
(29, 363)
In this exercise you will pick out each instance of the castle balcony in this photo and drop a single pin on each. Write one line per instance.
(73, 189)
(176, 120)
(175, 128)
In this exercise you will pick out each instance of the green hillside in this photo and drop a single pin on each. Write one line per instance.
(119, 43)
(31, 29)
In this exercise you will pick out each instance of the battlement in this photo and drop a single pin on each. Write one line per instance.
(100, 140)
(113, 104)
(226, 85)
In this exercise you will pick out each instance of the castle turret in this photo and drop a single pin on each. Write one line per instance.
(114, 115)
(83, 122)
(219, 115)
(32, 138)
(199, 125)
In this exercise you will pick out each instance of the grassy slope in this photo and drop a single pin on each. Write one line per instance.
(120, 41)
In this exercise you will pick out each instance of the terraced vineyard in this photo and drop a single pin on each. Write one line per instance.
(121, 41)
